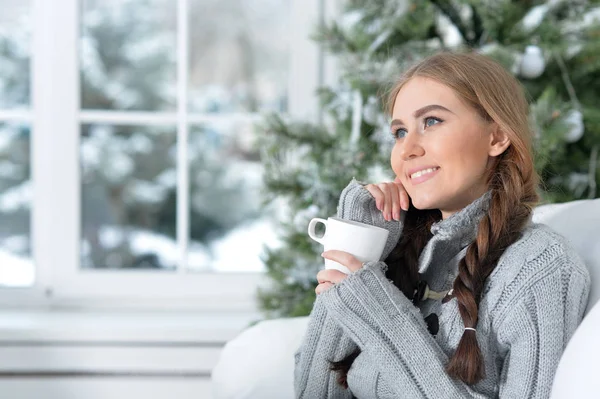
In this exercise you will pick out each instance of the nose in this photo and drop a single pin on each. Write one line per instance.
(411, 147)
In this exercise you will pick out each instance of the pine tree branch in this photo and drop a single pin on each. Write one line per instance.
(446, 8)
(567, 80)
(477, 26)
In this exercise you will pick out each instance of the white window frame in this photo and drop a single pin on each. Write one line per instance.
(56, 118)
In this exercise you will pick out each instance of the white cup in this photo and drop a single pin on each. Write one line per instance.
(364, 241)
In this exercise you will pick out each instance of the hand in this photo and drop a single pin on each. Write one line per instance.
(390, 197)
(328, 277)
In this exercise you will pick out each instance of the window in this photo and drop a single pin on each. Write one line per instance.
(144, 182)
(16, 265)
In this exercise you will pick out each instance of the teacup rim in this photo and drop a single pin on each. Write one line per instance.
(356, 223)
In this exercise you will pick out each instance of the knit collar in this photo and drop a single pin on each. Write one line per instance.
(452, 235)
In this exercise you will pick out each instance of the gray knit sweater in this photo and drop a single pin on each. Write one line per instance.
(531, 304)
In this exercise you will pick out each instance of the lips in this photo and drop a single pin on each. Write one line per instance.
(419, 175)
(420, 169)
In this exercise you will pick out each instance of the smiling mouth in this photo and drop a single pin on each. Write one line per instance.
(423, 172)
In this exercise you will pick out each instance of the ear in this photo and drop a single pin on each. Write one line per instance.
(499, 141)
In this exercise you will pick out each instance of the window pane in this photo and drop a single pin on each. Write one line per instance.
(239, 53)
(227, 228)
(128, 197)
(16, 264)
(15, 48)
(128, 55)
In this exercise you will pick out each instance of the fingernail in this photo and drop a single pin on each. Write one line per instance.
(397, 215)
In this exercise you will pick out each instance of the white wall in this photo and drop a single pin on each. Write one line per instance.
(112, 355)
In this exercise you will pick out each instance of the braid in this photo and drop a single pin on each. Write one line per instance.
(512, 200)
(403, 268)
(403, 261)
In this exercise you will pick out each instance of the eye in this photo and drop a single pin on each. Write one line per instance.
(432, 120)
(399, 133)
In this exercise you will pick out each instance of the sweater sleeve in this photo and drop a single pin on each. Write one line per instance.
(324, 341)
(356, 203)
(377, 315)
(536, 330)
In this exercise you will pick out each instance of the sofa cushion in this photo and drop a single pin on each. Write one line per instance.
(577, 375)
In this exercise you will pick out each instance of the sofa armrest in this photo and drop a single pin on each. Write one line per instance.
(259, 362)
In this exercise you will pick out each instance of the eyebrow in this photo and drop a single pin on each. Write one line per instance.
(422, 111)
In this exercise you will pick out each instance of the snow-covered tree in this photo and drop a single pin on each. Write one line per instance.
(129, 179)
(129, 63)
(551, 46)
(15, 170)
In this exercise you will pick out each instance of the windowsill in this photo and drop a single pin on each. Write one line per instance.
(99, 326)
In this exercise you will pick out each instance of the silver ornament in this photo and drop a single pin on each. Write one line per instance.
(533, 63)
(574, 119)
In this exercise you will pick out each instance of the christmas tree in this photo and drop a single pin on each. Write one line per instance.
(551, 47)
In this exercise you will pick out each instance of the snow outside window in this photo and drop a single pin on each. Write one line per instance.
(16, 264)
(127, 167)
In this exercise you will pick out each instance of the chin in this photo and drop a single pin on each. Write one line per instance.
(424, 202)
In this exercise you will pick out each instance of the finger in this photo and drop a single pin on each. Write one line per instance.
(322, 276)
(395, 198)
(405, 199)
(343, 258)
(377, 194)
(323, 287)
(330, 276)
(387, 205)
(403, 194)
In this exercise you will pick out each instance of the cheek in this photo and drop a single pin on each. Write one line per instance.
(398, 168)
(468, 158)
(397, 163)
(395, 158)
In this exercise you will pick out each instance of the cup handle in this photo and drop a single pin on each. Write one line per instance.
(311, 229)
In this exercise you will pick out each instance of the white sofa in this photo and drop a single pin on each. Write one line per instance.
(259, 362)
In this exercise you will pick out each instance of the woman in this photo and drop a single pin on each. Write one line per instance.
(473, 300)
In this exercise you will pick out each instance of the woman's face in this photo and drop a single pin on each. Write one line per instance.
(442, 146)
